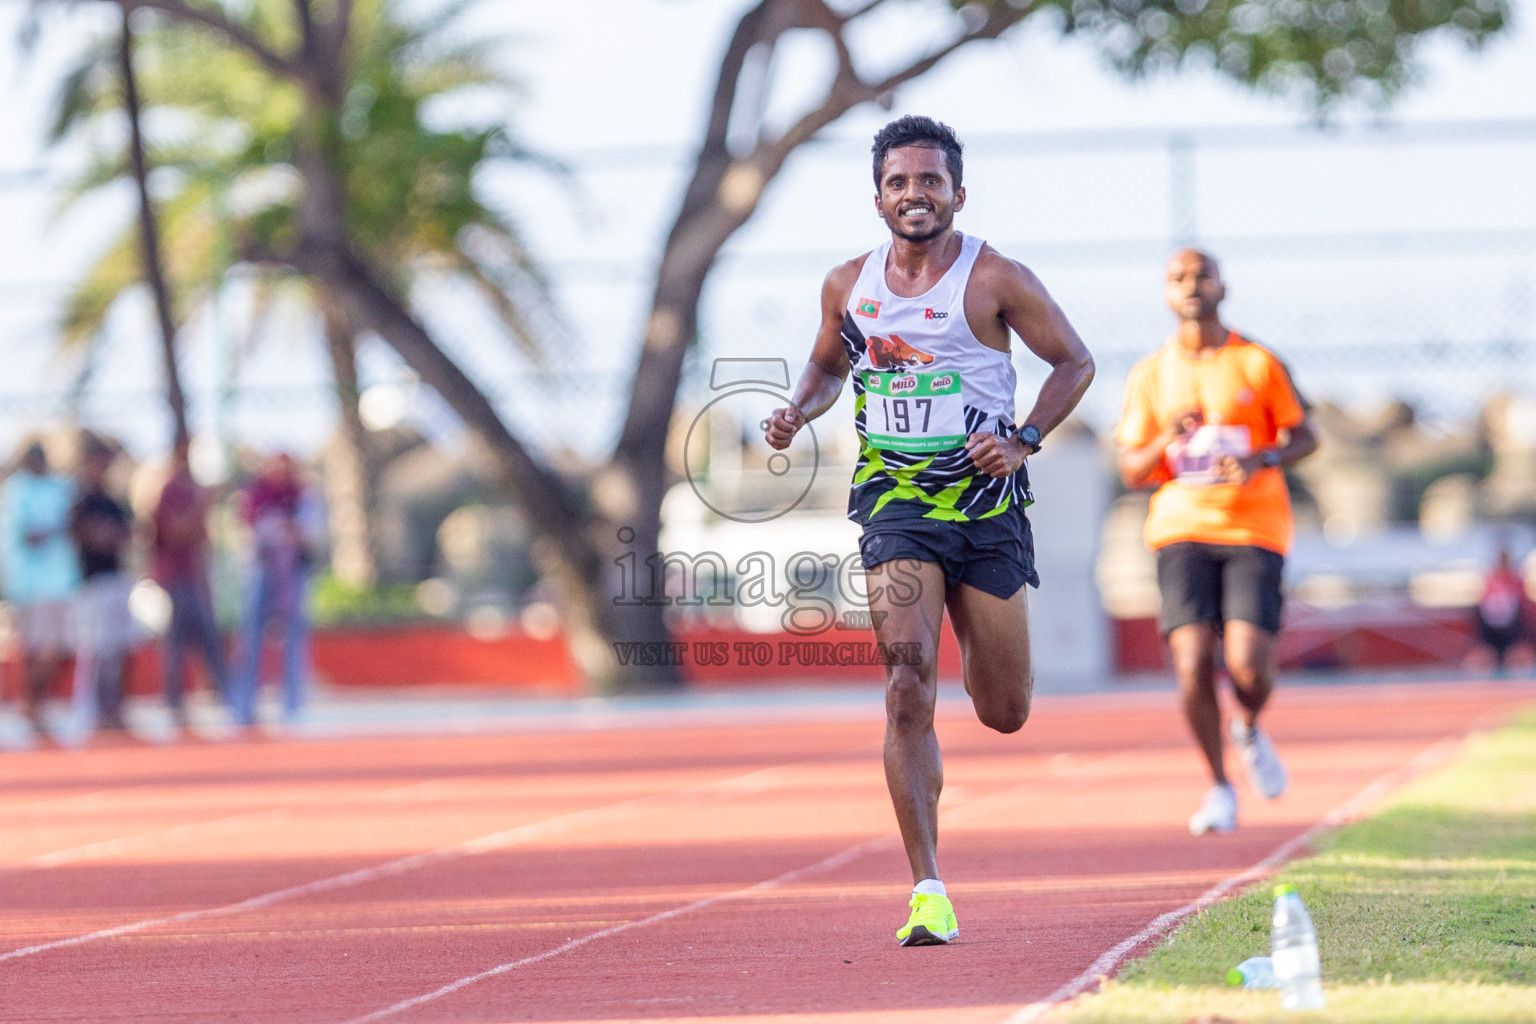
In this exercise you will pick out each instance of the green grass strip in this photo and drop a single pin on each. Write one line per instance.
(1425, 912)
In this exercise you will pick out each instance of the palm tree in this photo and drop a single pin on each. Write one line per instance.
(149, 232)
(228, 136)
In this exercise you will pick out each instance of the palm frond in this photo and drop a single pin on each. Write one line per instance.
(272, 291)
(219, 121)
(87, 89)
(88, 303)
(512, 315)
(88, 354)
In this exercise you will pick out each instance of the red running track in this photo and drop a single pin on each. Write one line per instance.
(659, 874)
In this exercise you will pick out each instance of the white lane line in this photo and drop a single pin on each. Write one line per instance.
(228, 825)
(232, 825)
(1350, 810)
(831, 863)
(760, 779)
(837, 860)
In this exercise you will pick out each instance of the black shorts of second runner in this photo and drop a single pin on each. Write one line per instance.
(995, 555)
(1216, 583)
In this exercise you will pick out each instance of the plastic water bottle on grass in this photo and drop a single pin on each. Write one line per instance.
(1255, 972)
(1293, 950)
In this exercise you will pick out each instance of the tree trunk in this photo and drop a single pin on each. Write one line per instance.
(149, 237)
(573, 555)
(576, 547)
(351, 473)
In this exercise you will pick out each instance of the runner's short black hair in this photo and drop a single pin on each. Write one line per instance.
(917, 130)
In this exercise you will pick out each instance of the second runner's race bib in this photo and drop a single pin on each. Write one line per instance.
(1193, 460)
(914, 412)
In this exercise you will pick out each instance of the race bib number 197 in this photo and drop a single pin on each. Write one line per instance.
(914, 412)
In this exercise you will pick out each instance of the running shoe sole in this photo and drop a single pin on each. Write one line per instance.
(1202, 828)
(921, 936)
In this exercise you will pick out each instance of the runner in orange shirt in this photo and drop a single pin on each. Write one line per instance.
(1209, 420)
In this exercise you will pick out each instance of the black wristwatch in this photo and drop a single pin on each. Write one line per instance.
(1269, 458)
(1030, 435)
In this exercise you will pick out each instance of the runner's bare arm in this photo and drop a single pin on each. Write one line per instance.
(822, 380)
(1010, 296)
(1139, 462)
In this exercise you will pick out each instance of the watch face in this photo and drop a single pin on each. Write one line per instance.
(1030, 435)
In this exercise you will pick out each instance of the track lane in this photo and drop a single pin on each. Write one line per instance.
(1017, 945)
(1056, 842)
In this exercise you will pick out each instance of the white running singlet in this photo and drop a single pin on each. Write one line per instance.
(922, 384)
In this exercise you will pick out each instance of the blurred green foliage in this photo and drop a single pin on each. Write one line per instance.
(1321, 49)
(222, 142)
(335, 603)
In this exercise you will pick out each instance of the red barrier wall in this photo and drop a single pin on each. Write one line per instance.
(1387, 635)
(1359, 637)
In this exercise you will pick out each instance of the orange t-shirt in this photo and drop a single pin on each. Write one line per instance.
(1247, 398)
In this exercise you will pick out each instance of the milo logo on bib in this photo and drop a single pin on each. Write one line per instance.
(914, 412)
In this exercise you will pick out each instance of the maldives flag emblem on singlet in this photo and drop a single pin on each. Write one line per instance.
(868, 307)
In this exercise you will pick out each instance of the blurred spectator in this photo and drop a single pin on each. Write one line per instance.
(41, 573)
(1502, 619)
(282, 517)
(180, 565)
(101, 527)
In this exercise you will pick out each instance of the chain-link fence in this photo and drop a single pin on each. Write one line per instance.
(1380, 262)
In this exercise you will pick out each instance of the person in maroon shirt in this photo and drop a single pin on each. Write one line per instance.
(280, 511)
(180, 565)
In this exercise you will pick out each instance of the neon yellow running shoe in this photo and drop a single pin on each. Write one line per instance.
(932, 922)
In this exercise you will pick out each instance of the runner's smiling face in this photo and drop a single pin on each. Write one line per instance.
(917, 198)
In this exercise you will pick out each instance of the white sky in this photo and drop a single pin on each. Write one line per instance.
(607, 73)
(616, 72)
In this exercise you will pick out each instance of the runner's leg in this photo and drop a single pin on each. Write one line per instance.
(1252, 599)
(914, 771)
(1249, 651)
(994, 654)
(1193, 648)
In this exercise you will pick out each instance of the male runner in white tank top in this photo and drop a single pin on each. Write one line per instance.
(924, 324)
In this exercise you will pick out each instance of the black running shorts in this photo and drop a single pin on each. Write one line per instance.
(995, 555)
(1218, 582)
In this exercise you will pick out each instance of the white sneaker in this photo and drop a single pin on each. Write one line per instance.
(1265, 771)
(1218, 813)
